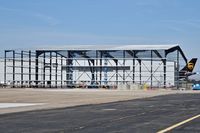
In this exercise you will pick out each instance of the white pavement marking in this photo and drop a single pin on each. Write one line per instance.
(108, 109)
(178, 124)
(12, 105)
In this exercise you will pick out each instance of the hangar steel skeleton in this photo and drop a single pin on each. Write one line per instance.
(100, 65)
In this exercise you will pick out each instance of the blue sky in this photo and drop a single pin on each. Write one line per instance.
(38, 23)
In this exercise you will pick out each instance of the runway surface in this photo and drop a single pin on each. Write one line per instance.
(140, 115)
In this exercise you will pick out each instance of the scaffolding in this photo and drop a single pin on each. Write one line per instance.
(94, 66)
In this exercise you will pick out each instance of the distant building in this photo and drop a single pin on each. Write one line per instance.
(95, 66)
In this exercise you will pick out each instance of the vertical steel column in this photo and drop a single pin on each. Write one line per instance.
(29, 68)
(164, 74)
(100, 67)
(36, 68)
(56, 76)
(124, 66)
(175, 67)
(140, 71)
(105, 70)
(177, 70)
(61, 76)
(92, 64)
(70, 69)
(13, 68)
(133, 66)
(66, 71)
(22, 73)
(50, 75)
(96, 67)
(116, 72)
(5, 72)
(151, 69)
(44, 66)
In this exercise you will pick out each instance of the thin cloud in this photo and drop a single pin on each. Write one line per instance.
(9, 9)
(149, 3)
(52, 21)
(35, 38)
(192, 23)
(181, 25)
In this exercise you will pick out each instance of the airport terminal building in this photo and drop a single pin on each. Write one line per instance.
(94, 66)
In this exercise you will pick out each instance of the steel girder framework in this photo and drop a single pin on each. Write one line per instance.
(93, 67)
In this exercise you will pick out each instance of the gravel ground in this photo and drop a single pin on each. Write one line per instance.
(60, 98)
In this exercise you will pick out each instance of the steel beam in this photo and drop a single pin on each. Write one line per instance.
(124, 54)
(96, 65)
(50, 75)
(151, 69)
(36, 68)
(69, 71)
(177, 70)
(44, 63)
(164, 71)
(61, 72)
(14, 69)
(133, 54)
(29, 75)
(140, 71)
(22, 76)
(101, 55)
(5, 71)
(56, 76)
(116, 72)
(133, 70)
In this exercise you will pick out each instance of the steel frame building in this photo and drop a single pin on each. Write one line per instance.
(94, 66)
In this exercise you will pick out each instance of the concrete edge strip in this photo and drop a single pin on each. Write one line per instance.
(14, 105)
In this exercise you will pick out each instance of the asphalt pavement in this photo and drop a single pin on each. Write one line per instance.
(147, 115)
